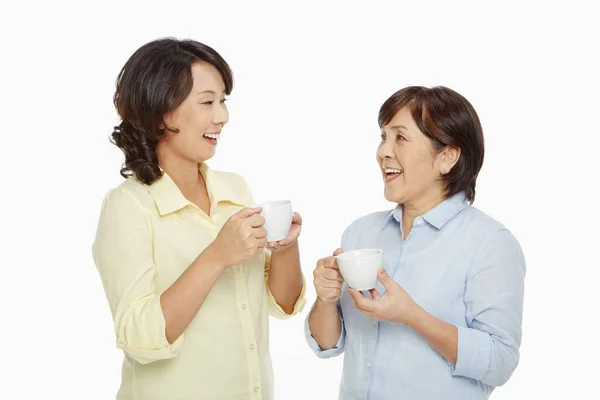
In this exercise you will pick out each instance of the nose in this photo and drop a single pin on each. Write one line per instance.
(386, 149)
(221, 114)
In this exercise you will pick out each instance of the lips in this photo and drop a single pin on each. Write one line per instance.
(391, 173)
(213, 136)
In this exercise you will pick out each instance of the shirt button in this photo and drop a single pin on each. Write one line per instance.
(251, 347)
(374, 323)
(256, 389)
(368, 365)
(243, 306)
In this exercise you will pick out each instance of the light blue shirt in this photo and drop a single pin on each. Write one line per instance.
(462, 267)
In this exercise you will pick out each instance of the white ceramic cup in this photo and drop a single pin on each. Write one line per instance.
(359, 267)
(278, 219)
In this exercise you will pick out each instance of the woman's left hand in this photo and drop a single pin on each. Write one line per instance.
(292, 236)
(394, 306)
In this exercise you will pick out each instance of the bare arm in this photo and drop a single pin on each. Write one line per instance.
(325, 324)
(240, 239)
(182, 300)
(441, 335)
(285, 277)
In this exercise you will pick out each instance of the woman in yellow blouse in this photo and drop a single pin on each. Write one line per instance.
(188, 274)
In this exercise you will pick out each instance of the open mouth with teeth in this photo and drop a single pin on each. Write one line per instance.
(391, 173)
(212, 138)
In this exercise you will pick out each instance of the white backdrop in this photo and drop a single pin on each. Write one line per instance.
(310, 78)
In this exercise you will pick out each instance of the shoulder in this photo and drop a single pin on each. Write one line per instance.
(130, 195)
(492, 239)
(479, 222)
(480, 225)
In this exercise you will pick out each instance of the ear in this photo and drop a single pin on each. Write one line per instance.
(448, 157)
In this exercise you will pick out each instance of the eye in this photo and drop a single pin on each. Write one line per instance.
(223, 101)
(382, 136)
(400, 137)
(208, 103)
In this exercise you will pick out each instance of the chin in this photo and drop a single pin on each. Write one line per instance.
(205, 155)
(392, 196)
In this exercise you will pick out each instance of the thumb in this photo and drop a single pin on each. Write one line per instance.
(246, 212)
(386, 280)
(337, 252)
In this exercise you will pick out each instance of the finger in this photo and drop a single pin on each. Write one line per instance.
(386, 280)
(259, 233)
(361, 301)
(374, 294)
(273, 245)
(262, 243)
(332, 275)
(246, 212)
(296, 218)
(256, 221)
(337, 252)
(286, 241)
(355, 302)
(328, 283)
(355, 295)
(321, 263)
(330, 262)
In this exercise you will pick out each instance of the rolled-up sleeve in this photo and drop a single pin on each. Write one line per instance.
(488, 347)
(122, 253)
(314, 346)
(275, 309)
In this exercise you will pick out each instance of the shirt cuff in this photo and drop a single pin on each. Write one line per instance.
(142, 333)
(278, 312)
(474, 353)
(314, 346)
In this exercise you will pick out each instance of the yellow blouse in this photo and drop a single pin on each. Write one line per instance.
(147, 236)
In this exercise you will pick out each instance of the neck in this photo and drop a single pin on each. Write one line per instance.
(185, 174)
(414, 209)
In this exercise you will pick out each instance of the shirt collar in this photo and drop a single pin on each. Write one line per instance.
(439, 215)
(168, 198)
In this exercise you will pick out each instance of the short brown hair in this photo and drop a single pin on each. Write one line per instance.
(448, 119)
(156, 79)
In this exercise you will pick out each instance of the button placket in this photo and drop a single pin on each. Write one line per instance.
(252, 356)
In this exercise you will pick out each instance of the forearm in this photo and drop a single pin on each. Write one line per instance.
(182, 300)
(325, 324)
(442, 336)
(285, 277)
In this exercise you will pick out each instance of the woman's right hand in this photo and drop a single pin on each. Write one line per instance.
(241, 238)
(327, 279)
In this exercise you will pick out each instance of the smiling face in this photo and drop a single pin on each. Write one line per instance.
(198, 120)
(411, 166)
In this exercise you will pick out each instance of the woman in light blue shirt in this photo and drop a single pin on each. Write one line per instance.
(444, 321)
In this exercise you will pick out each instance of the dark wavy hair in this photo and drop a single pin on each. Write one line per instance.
(156, 79)
(448, 119)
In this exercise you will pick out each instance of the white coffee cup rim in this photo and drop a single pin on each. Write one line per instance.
(363, 253)
(274, 203)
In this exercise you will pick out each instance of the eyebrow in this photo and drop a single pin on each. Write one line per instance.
(206, 91)
(398, 127)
